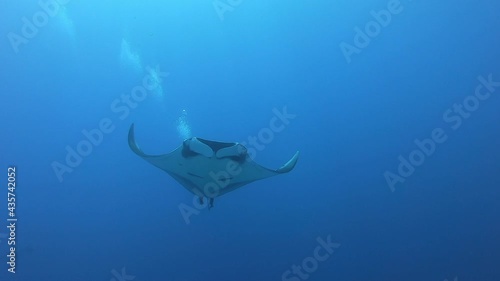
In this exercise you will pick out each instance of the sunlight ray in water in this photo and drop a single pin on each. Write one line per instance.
(65, 23)
(130, 58)
(183, 127)
(157, 86)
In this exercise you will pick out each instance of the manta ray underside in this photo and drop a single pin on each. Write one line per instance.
(210, 168)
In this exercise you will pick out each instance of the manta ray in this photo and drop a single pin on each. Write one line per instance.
(209, 168)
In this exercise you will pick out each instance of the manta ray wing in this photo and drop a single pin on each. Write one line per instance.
(210, 168)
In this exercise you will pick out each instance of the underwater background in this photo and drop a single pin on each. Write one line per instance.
(393, 105)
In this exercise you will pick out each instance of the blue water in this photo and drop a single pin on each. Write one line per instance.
(393, 114)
